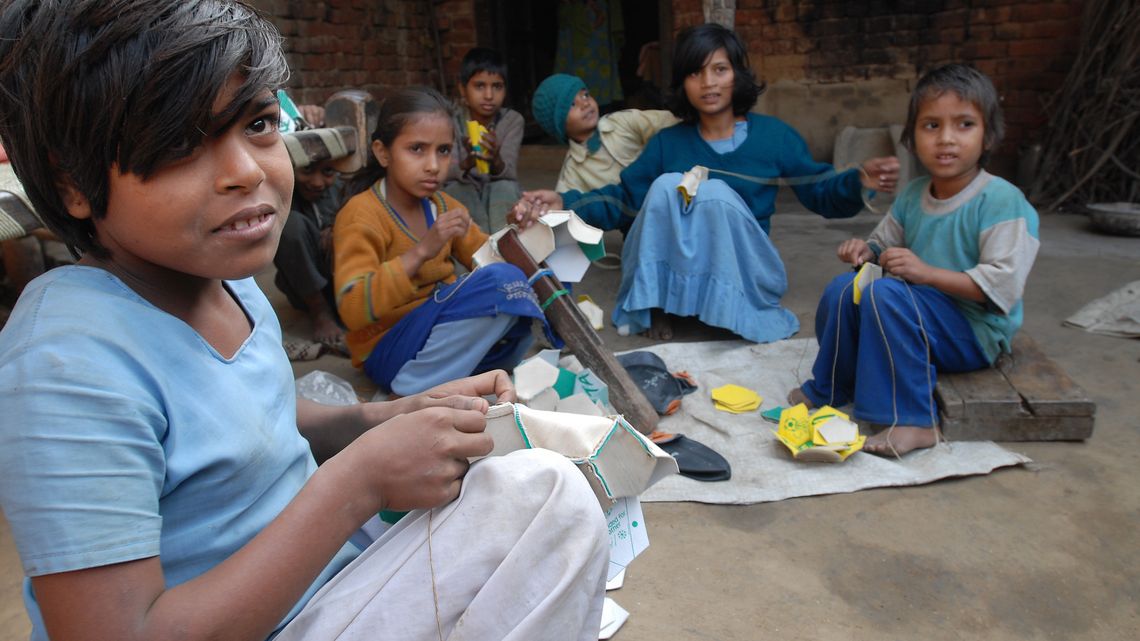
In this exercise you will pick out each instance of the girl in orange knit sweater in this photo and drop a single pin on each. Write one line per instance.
(412, 323)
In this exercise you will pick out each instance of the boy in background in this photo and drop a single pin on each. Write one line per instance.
(304, 257)
(490, 191)
(600, 147)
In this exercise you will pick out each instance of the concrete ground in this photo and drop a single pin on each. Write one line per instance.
(1044, 551)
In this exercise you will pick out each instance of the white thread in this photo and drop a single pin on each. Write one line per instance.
(792, 181)
(431, 568)
(929, 382)
(839, 325)
(890, 360)
(462, 281)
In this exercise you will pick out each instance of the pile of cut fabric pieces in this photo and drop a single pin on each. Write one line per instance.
(735, 399)
(825, 436)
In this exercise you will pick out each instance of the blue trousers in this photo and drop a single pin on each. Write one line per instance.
(480, 322)
(874, 353)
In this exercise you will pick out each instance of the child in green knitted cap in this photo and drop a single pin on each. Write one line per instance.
(599, 147)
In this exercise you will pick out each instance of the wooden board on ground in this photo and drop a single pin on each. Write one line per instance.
(16, 216)
(1025, 397)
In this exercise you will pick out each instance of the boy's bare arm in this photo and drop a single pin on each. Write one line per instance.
(331, 428)
(414, 460)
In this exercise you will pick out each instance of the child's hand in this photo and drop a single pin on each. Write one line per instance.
(903, 263)
(470, 157)
(880, 174)
(488, 151)
(418, 460)
(532, 206)
(463, 394)
(314, 115)
(855, 251)
(490, 145)
(495, 382)
(453, 223)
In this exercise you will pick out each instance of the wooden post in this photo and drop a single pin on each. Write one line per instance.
(564, 315)
(360, 111)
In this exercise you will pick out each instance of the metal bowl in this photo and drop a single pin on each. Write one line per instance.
(1121, 219)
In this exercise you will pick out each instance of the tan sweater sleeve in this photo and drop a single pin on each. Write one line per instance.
(371, 284)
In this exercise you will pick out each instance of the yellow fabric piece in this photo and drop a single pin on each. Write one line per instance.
(373, 290)
(475, 133)
(735, 399)
(799, 432)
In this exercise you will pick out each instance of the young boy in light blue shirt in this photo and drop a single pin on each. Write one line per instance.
(157, 478)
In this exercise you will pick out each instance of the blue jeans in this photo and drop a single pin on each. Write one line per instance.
(875, 354)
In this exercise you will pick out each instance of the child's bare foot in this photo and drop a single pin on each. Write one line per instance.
(325, 330)
(660, 327)
(797, 396)
(900, 440)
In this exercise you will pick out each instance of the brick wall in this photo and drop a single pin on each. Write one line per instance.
(1025, 46)
(369, 44)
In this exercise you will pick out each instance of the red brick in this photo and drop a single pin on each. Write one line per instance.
(1036, 11)
(1051, 29)
(952, 35)
(1007, 31)
(974, 50)
(1019, 48)
(786, 12)
(950, 19)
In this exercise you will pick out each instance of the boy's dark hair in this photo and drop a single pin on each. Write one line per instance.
(482, 59)
(972, 86)
(397, 110)
(88, 87)
(694, 46)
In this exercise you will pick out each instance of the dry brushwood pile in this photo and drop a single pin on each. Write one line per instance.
(1091, 149)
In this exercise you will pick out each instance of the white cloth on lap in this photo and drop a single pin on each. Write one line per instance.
(521, 554)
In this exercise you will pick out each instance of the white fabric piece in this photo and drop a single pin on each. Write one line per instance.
(1117, 314)
(530, 567)
(616, 459)
(762, 470)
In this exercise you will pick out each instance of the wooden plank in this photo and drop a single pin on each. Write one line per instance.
(1028, 397)
(1042, 384)
(358, 110)
(1032, 428)
(315, 145)
(983, 394)
(564, 315)
(16, 216)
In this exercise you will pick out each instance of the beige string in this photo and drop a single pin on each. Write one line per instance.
(890, 360)
(431, 568)
(790, 181)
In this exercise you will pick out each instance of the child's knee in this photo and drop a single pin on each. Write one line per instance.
(499, 272)
(536, 478)
(841, 285)
(885, 296)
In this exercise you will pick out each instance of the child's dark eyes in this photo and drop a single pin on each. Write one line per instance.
(264, 124)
